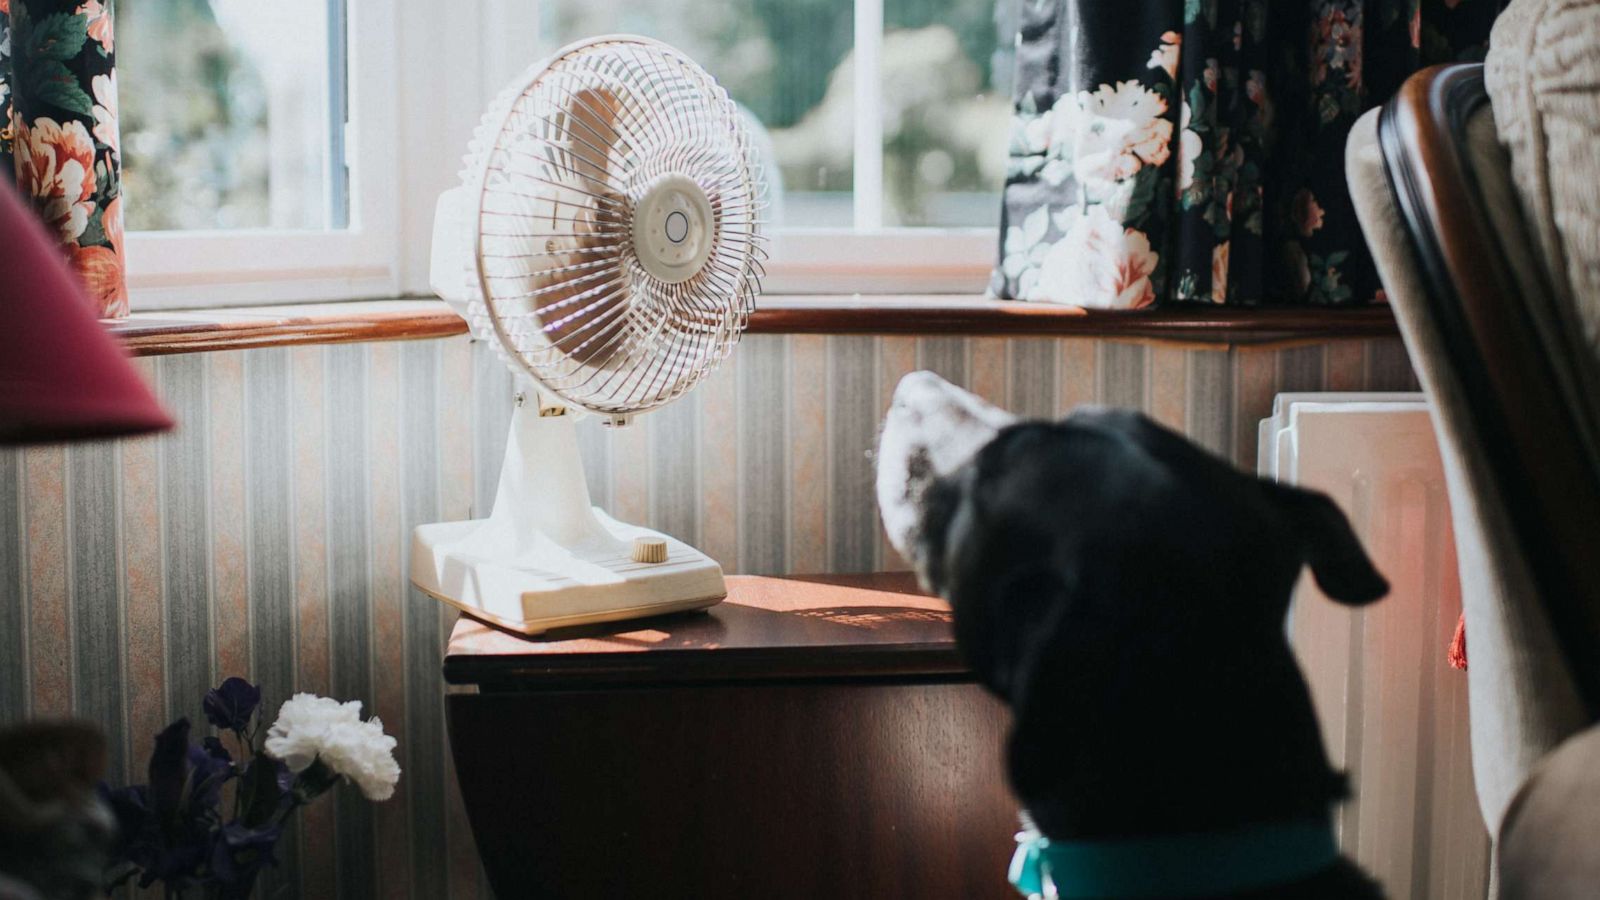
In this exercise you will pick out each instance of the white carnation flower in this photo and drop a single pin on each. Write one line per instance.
(309, 728)
(305, 724)
(361, 752)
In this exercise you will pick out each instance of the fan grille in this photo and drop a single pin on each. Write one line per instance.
(563, 163)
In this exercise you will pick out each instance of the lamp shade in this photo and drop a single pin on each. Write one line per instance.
(62, 376)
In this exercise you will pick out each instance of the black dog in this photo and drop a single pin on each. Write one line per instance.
(1125, 592)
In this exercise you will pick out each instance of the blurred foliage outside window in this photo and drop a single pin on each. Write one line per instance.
(224, 114)
(945, 74)
(224, 106)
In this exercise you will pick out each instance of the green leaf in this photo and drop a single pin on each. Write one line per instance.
(1198, 123)
(1144, 190)
(259, 792)
(48, 81)
(64, 94)
(94, 231)
(1327, 109)
(314, 781)
(59, 37)
(1187, 285)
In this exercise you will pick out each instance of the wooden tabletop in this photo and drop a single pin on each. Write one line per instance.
(798, 627)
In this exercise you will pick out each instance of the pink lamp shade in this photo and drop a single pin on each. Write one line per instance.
(62, 376)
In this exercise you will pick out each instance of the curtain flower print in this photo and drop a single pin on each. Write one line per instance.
(1192, 151)
(58, 133)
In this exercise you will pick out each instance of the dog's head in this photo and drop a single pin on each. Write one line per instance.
(1124, 591)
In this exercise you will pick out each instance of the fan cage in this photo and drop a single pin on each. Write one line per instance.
(560, 163)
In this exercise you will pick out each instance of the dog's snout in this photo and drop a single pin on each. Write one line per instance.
(920, 391)
(932, 428)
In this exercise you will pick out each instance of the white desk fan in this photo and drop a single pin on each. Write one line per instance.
(606, 240)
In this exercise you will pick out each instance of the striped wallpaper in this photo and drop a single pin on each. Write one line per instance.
(267, 536)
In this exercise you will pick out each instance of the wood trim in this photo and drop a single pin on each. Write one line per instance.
(794, 628)
(989, 318)
(1508, 350)
(163, 333)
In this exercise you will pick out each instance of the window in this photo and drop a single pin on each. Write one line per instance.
(237, 137)
(884, 121)
(228, 114)
(946, 105)
(293, 150)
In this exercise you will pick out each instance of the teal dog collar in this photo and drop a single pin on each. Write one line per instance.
(1208, 864)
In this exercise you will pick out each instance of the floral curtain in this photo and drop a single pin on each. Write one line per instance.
(1192, 151)
(58, 132)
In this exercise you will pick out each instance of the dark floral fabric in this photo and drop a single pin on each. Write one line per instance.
(1192, 151)
(58, 132)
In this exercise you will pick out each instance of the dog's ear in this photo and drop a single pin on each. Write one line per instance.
(1031, 607)
(1328, 544)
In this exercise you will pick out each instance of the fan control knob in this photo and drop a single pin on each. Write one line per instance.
(649, 550)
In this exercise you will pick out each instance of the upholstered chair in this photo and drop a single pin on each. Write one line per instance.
(1478, 188)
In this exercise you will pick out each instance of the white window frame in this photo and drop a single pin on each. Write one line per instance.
(408, 128)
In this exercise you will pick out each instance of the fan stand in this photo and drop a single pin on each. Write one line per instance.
(546, 558)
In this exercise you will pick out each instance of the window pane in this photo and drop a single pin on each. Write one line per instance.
(225, 112)
(785, 61)
(947, 70)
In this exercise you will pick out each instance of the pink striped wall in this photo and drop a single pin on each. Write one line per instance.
(267, 536)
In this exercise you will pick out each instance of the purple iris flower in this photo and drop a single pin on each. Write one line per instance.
(230, 705)
(213, 745)
(206, 776)
(167, 838)
(238, 855)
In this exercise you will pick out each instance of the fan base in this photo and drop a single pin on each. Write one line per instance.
(561, 589)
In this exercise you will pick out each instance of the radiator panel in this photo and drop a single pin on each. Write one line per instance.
(1393, 713)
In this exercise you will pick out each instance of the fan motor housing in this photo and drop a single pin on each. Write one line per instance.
(674, 228)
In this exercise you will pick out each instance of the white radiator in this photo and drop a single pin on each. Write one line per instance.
(1393, 712)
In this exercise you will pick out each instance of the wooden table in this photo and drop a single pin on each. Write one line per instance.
(807, 738)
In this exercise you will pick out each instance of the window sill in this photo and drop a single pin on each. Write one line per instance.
(243, 328)
(975, 317)
(162, 333)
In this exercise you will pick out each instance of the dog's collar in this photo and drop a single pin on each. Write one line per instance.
(1207, 864)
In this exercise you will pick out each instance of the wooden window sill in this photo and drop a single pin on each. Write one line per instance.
(161, 333)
